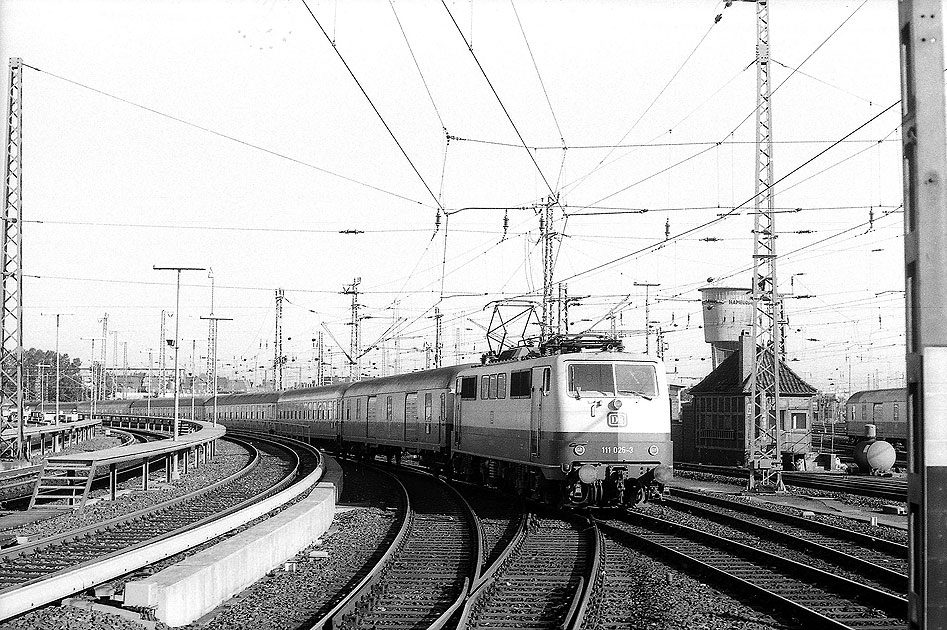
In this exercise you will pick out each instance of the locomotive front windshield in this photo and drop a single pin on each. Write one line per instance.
(610, 379)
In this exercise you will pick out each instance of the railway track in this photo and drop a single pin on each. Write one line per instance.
(879, 562)
(887, 488)
(814, 596)
(543, 581)
(502, 521)
(45, 560)
(425, 575)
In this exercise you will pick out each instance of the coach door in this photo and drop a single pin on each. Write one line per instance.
(539, 391)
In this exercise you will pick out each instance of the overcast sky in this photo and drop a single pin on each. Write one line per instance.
(231, 135)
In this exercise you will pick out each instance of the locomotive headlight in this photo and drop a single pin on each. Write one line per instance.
(587, 473)
(579, 449)
(653, 450)
(616, 404)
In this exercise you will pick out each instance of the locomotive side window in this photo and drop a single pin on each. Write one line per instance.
(897, 415)
(520, 383)
(493, 386)
(468, 388)
(484, 387)
(501, 385)
(592, 378)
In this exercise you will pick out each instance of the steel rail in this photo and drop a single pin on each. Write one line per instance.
(882, 575)
(726, 559)
(866, 487)
(868, 541)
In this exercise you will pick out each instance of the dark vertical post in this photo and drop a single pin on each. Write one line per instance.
(925, 259)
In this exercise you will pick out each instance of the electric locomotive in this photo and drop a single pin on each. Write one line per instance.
(584, 428)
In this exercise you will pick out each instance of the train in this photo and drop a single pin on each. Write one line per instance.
(884, 408)
(585, 428)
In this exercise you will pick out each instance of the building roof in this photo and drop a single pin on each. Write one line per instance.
(726, 379)
(897, 394)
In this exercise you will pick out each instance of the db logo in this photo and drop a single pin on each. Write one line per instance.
(579, 449)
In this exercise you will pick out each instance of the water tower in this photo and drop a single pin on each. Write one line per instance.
(728, 313)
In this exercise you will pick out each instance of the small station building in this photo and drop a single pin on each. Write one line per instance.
(713, 429)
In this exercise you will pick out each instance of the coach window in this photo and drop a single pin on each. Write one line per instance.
(484, 387)
(468, 388)
(864, 411)
(520, 383)
(428, 412)
(501, 385)
(370, 411)
(388, 409)
(348, 410)
(443, 408)
(358, 409)
(410, 408)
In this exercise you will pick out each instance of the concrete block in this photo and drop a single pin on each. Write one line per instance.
(190, 589)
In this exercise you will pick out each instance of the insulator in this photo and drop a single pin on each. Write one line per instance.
(437, 220)
(667, 229)
(506, 222)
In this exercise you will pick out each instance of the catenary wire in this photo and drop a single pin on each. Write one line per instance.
(227, 137)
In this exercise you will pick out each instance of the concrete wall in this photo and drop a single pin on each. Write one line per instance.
(192, 588)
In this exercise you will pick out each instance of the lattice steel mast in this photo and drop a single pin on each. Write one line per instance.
(211, 338)
(355, 335)
(278, 359)
(11, 351)
(762, 436)
(548, 236)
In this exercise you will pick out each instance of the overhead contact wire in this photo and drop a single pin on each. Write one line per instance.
(225, 136)
(499, 100)
(370, 102)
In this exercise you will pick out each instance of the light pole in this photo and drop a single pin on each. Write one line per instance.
(151, 383)
(213, 376)
(92, 372)
(57, 316)
(177, 324)
(42, 390)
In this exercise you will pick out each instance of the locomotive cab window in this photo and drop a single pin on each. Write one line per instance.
(636, 380)
(607, 379)
(592, 379)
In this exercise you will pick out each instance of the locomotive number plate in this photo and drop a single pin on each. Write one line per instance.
(617, 420)
(618, 450)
